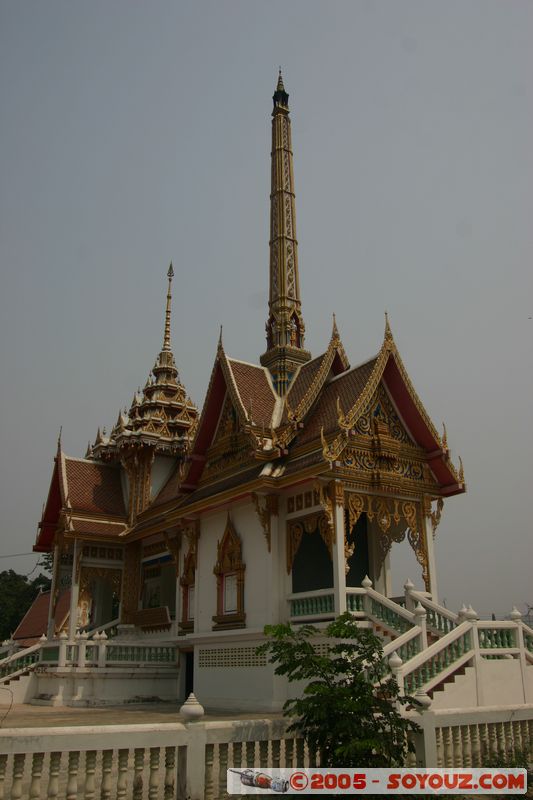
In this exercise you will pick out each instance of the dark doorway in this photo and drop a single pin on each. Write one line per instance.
(312, 567)
(189, 673)
(358, 561)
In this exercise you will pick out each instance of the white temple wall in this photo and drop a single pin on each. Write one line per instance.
(243, 684)
(501, 681)
(257, 596)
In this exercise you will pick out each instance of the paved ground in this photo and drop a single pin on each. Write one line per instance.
(27, 716)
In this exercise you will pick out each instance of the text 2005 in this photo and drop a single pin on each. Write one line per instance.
(342, 781)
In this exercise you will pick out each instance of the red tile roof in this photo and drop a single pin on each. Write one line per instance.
(303, 380)
(94, 487)
(347, 387)
(253, 384)
(97, 527)
(35, 621)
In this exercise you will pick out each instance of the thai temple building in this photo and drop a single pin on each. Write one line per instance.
(184, 531)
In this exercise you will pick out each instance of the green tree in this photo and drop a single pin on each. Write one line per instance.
(17, 594)
(46, 561)
(348, 712)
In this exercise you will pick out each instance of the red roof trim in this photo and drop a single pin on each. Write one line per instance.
(415, 422)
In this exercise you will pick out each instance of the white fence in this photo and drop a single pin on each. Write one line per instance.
(175, 760)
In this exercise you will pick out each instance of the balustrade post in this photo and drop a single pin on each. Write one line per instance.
(102, 646)
(421, 620)
(122, 779)
(36, 773)
(366, 583)
(90, 769)
(53, 780)
(81, 640)
(410, 602)
(395, 664)
(138, 768)
(425, 741)
(527, 689)
(170, 772)
(471, 616)
(196, 746)
(3, 764)
(222, 768)
(107, 768)
(18, 772)
(62, 659)
(153, 781)
(72, 784)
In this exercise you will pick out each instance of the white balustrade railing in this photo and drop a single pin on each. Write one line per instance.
(313, 605)
(406, 646)
(384, 611)
(355, 600)
(163, 761)
(113, 761)
(498, 636)
(176, 760)
(477, 739)
(98, 652)
(440, 620)
(438, 660)
(19, 662)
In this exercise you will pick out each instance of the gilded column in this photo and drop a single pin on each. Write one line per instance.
(430, 554)
(338, 555)
(74, 590)
(54, 592)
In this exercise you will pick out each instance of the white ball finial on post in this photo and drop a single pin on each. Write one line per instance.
(192, 710)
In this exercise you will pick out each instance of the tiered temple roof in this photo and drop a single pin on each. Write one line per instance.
(262, 427)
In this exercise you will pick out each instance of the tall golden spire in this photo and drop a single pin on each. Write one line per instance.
(285, 326)
(165, 367)
(166, 336)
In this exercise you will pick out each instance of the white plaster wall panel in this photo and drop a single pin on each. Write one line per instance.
(87, 689)
(211, 531)
(19, 691)
(257, 586)
(255, 555)
(460, 693)
(501, 682)
(239, 689)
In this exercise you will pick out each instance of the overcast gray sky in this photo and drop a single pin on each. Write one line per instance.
(134, 133)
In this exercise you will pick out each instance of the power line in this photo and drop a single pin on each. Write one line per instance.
(17, 555)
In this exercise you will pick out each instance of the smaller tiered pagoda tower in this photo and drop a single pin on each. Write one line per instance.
(157, 428)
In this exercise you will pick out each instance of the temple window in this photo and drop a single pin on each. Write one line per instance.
(229, 571)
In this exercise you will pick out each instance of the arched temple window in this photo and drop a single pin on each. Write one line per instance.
(229, 571)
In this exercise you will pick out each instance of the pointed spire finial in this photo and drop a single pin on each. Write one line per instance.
(280, 98)
(166, 336)
(59, 439)
(220, 338)
(388, 332)
(444, 437)
(334, 329)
